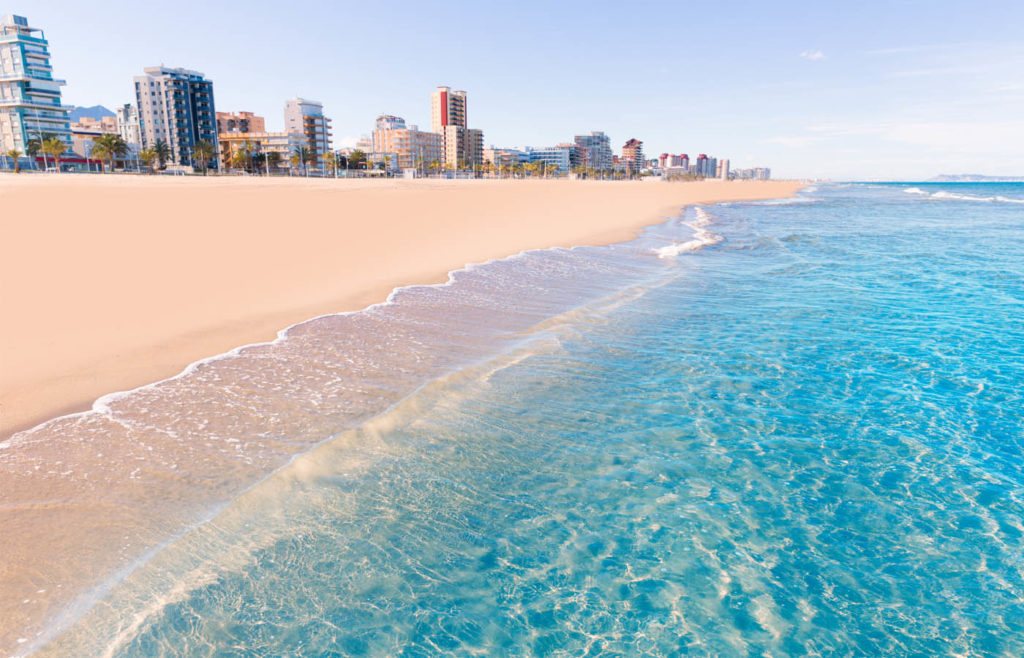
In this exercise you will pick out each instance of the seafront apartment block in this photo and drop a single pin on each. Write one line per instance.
(595, 151)
(463, 146)
(414, 149)
(305, 119)
(176, 106)
(30, 99)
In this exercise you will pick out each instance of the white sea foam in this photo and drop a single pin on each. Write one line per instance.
(943, 195)
(702, 237)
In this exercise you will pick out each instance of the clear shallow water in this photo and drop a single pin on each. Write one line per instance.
(803, 438)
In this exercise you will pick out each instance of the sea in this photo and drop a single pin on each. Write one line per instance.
(790, 427)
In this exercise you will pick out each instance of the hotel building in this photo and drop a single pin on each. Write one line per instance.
(463, 146)
(412, 148)
(595, 151)
(30, 100)
(304, 120)
(176, 106)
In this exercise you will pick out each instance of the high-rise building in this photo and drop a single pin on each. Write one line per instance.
(240, 122)
(633, 156)
(701, 165)
(305, 119)
(175, 106)
(596, 150)
(723, 169)
(128, 126)
(30, 101)
(463, 146)
(410, 147)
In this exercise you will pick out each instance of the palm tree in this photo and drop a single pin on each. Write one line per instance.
(249, 148)
(331, 162)
(238, 160)
(14, 154)
(273, 159)
(163, 153)
(204, 151)
(54, 147)
(149, 156)
(301, 156)
(109, 147)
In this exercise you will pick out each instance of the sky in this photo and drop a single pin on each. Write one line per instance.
(899, 90)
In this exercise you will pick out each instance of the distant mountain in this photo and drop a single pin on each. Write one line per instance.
(95, 112)
(974, 178)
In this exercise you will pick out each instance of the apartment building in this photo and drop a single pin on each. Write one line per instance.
(30, 97)
(176, 106)
(85, 131)
(595, 150)
(412, 148)
(304, 119)
(463, 146)
(632, 159)
(240, 122)
(128, 126)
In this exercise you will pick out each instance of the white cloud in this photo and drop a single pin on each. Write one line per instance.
(813, 55)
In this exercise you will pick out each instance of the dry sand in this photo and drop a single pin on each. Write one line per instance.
(112, 282)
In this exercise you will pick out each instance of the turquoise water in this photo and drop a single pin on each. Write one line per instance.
(803, 438)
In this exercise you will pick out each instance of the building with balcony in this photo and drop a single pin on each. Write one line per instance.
(240, 122)
(463, 146)
(305, 120)
(595, 151)
(128, 126)
(30, 97)
(263, 143)
(176, 106)
(632, 159)
(563, 158)
(85, 131)
(505, 157)
(412, 148)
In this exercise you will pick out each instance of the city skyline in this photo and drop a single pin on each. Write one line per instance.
(843, 93)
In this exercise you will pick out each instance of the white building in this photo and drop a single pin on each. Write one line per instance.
(175, 106)
(305, 120)
(30, 97)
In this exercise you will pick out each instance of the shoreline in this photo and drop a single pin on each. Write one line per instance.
(106, 361)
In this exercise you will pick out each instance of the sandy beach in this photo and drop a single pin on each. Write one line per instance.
(113, 282)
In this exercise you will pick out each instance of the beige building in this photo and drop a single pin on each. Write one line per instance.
(258, 142)
(240, 122)
(305, 120)
(463, 146)
(86, 130)
(413, 148)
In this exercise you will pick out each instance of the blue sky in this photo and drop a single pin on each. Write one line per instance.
(896, 89)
